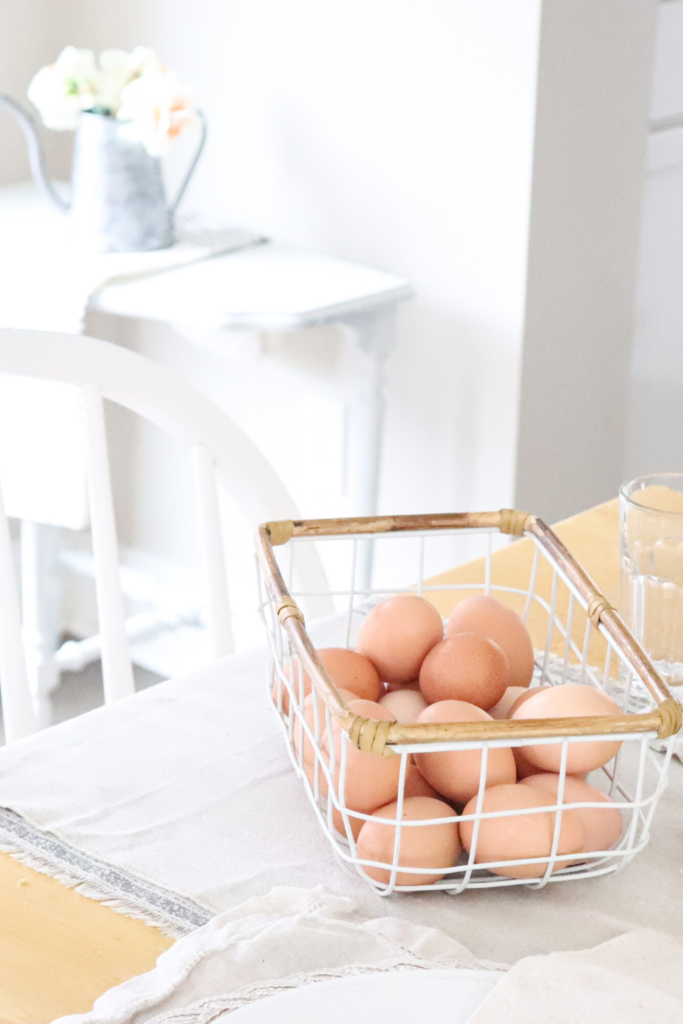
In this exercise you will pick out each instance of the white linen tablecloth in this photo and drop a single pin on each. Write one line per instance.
(269, 945)
(185, 792)
(293, 939)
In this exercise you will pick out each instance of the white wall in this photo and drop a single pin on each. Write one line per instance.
(393, 133)
(594, 79)
(403, 134)
(654, 440)
(31, 34)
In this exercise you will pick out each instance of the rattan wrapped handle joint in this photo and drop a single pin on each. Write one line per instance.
(287, 608)
(513, 522)
(671, 714)
(596, 606)
(370, 736)
(280, 531)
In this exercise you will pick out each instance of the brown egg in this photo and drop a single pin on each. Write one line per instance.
(355, 824)
(405, 705)
(397, 634)
(309, 716)
(506, 703)
(568, 701)
(520, 836)
(525, 768)
(371, 780)
(433, 847)
(280, 687)
(465, 666)
(309, 752)
(346, 668)
(352, 671)
(524, 696)
(602, 825)
(455, 773)
(522, 764)
(487, 615)
(416, 784)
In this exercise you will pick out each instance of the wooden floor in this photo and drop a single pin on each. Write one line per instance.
(59, 951)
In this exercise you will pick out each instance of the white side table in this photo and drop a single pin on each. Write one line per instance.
(271, 287)
(267, 287)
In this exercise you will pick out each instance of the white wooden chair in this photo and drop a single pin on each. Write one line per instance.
(220, 451)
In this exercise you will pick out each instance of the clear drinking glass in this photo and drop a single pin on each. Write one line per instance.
(651, 539)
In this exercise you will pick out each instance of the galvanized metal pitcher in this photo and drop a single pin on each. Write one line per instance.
(118, 203)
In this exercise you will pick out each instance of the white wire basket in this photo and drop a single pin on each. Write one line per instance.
(578, 638)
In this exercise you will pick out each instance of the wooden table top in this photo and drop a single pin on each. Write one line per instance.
(59, 950)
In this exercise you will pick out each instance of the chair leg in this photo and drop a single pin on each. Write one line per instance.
(41, 599)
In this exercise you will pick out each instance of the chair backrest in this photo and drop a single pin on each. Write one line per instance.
(220, 449)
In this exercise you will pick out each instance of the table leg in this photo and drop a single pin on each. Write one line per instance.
(374, 333)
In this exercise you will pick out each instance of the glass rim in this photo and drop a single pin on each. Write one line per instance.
(648, 508)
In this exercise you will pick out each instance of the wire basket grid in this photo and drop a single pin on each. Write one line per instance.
(583, 641)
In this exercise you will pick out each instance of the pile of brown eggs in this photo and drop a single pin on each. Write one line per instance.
(404, 670)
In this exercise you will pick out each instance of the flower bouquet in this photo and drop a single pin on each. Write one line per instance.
(126, 109)
(135, 88)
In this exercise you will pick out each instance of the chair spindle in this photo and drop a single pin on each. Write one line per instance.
(17, 708)
(117, 670)
(219, 619)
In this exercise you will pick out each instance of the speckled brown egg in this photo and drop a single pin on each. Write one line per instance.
(455, 773)
(432, 848)
(602, 825)
(520, 836)
(490, 617)
(467, 667)
(570, 700)
(506, 703)
(398, 634)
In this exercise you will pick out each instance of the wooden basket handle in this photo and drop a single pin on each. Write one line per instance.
(379, 737)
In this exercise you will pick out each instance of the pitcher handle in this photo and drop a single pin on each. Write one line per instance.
(191, 169)
(35, 150)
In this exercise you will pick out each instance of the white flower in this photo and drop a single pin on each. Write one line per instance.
(118, 68)
(155, 108)
(135, 87)
(64, 89)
